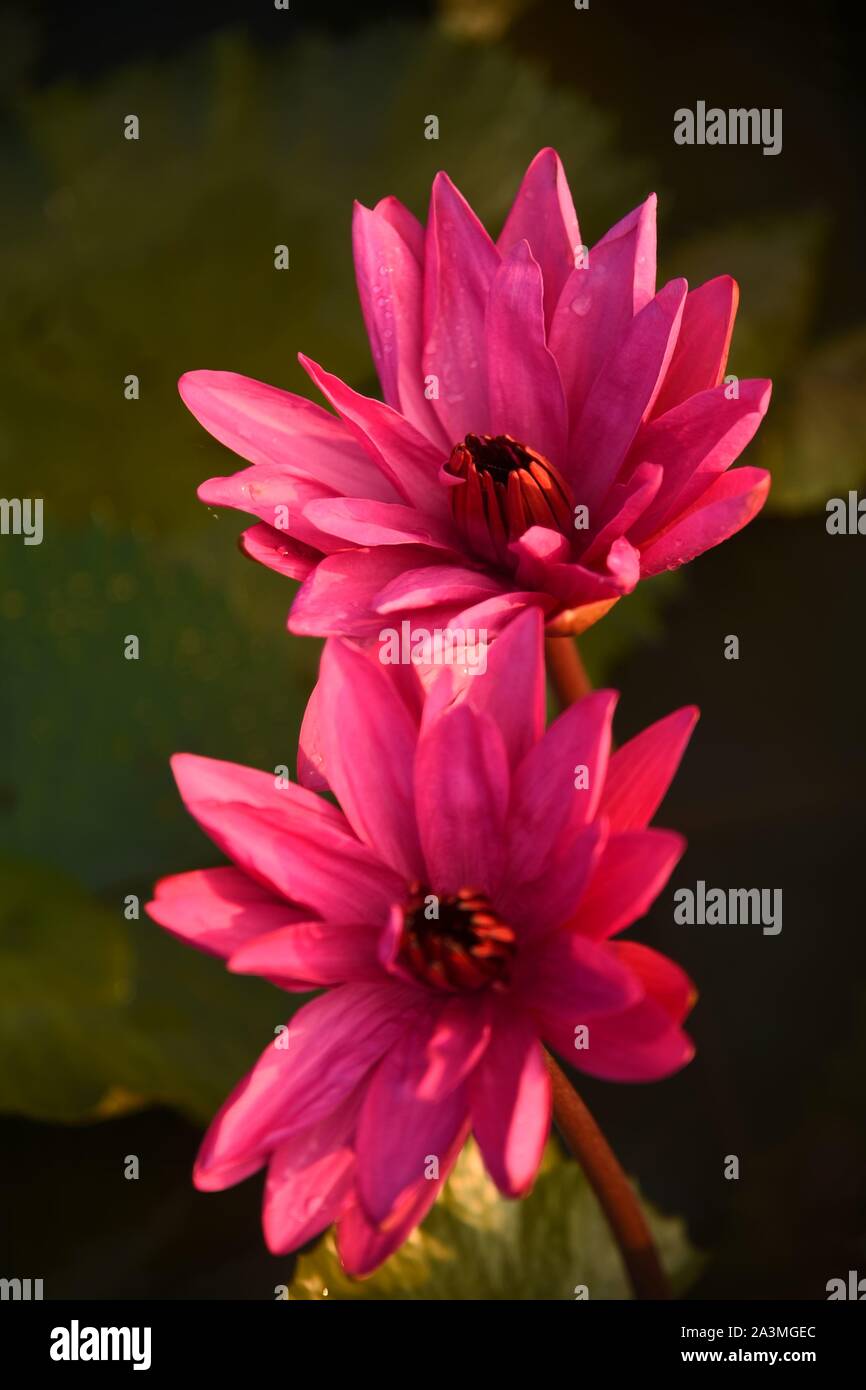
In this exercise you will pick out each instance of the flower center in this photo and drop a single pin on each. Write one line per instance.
(455, 943)
(507, 488)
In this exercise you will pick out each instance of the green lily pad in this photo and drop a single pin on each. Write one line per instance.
(476, 1245)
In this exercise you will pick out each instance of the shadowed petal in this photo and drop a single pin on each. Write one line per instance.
(461, 796)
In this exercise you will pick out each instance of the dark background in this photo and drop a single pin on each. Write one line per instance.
(107, 272)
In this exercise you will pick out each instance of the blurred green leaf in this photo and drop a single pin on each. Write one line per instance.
(98, 1014)
(65, 976)
(156, 256)
(85, 782)
(476, 1245)
(813, 440)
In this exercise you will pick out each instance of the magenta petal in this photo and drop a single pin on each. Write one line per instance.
(290, 840)
(599, 300)
(547, 808)
(309, 1179)
(543, 215)
(694, 443)
(339, 597)
(701, 353)
(404, 456)
(278, 498)
(461, 795)
(378, 523)
(512, 690)
(307, 955)
(389, 275)
(538, 905)
(567, 975)
(460, 262)
(665, 982)
(725, 508)
(639, 1044)
(278, 429)
(333, 1042)
(279, 552)
(640, 772)
(510, 1100)
(363, 1245)
(525, 392)
(218, 910)
(399, 1131)
(631, 872)
(370, 740)
(623, 395)
(623, 508)
(428, 586)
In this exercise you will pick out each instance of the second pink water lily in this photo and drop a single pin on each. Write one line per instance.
(553, 427)
(462, 906)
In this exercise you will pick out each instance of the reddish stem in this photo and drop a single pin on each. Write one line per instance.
(610, 1185)
(566, 670)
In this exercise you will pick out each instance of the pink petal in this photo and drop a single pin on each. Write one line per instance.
(640, 772)
(363, 1245)
(389, 274)
(544, 561)
(307, 955)
(279, 429)
(405, 456)
(546, 807)
(701, 353)
(566, 975)
(525, 392)
(339, 598)
(460, 262)
(512, 691)
(624, 506)
(540, 904)
(665, 982)
(218, 910)
(694, 443)
(426, 586)
(511, 1103)
(543, 215)
(461, 796)
(290, 840)
(370, 740)
(633, 869)
(278, 551)
(399, 1131)
(598, 302)
(623, 395)
(333, 1042)
(640, 1044)
(378, 523)
(725, 508)
(309, 1179)
(278, 498)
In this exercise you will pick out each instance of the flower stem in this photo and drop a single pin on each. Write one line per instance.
(611, 1187)
(566, 670)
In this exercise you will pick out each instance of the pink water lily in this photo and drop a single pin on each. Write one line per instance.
(553, 429)
(462, 907)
